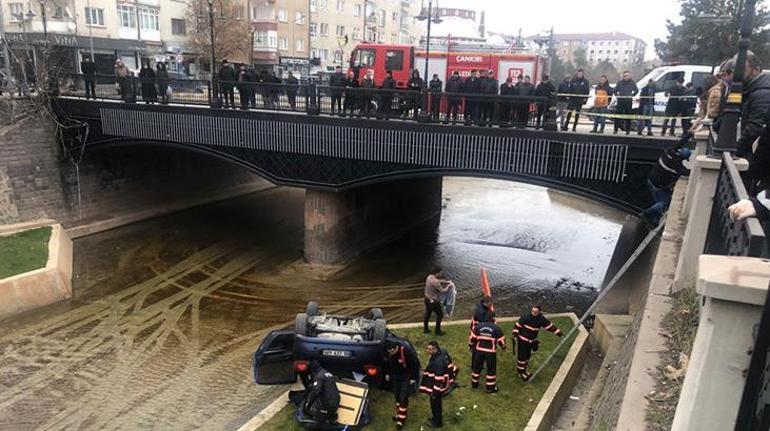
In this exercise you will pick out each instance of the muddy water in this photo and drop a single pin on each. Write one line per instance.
(166, 313)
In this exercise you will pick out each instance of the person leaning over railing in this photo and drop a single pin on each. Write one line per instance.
(758, 207)
(710, 102)
(754, 109)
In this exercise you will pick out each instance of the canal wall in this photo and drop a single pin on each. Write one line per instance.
(108, 187)
(341, 226)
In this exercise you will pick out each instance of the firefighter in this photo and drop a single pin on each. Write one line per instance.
(483, 342)
(402, 373)
(525, 332)
(437, 380)
(483, 312)
(323, 397)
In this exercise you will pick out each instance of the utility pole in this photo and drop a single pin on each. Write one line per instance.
(214, 86)
(4, 41)
(551, 51)
(90, 29)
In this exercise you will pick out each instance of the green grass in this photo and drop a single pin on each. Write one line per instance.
(24, 251)
(509, 409)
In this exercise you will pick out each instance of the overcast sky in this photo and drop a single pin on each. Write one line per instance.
(643, 19)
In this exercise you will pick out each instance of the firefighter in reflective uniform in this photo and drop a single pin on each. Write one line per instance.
(483, 313)
(483, 342)
(525, 336)
(436, 381)
(323, 397)
(401, 364)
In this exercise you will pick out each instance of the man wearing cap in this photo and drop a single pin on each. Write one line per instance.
(402, 371)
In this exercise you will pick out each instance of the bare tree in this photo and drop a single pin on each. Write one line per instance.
(231, 29)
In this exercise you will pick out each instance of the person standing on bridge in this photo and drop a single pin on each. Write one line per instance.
(602, 95)
(435, 286)
(434, 90)
(415, 85)
(336, 84)
(147, 80)
(386, 95)
(544, 90)
(244, 87)
(673, 106)
(161, 75)
(647, 107)
(351, 94)
(88, 69)
(578, 90)
(292, 85)
(507, 89)
(562, 100)
(227, 79)
(121, 73)
(454, 86)
(625, 90)
(525, 337)
(367, 94)
(525, 90)
(472, 89)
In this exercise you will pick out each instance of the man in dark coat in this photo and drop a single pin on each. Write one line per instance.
(472, 89)
(351, 94)
(525, 336)
(489, 93)
(227, 80)
(402, 370)
(292, 85)
(507, 89)
(415, 86)
(367, 94)
(147, 80)
(386, 94)
(579, 87)
(546, 90)
(562, 101)
(88, 69)
(755, 105)
(525, 90)
(454, 86)
(673, 106)
(322, 398)
(244, 87)
(435, 87)
(437, 381)
(647, 107)
(664, 176)
(336, 84)
(625, 90)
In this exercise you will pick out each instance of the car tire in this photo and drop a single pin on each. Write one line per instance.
(379, 332)
(312, 308)
(376, 313)
(300, 324)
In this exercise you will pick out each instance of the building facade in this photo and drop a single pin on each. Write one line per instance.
(336, 26)
(620, 49)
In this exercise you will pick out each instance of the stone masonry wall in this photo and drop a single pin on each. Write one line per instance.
(38, 181)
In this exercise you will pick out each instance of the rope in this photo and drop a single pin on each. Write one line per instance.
(647, 240)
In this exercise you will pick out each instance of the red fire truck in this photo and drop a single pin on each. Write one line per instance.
(401, 59)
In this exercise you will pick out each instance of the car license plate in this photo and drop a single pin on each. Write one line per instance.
(337, 353)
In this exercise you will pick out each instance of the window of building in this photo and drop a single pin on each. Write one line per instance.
(356, 33)
(338, 56)
(313, 5)
(148, 18)
(58, 12)
(357, 10)
(340, 5)
(323, 4)
(299, 45)
(616, 51)
(394, 60)
(591, 52)
(178, 26)
(601, 51)
(299, 18)
(394, 16)
(323, 54)
(314, 53)
(394, 38)
(313, 29)
(282, 15)
(324, 29)
(17, 11)
(94, 16)
(283, 43)
(126, 16)
(340, 31)
(265, 39)
(382, 18)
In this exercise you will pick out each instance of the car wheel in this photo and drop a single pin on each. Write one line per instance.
(312, 308)
(376, 313)
(379, 330)
(300, 324)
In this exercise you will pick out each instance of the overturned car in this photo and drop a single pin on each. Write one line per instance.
(352, 348)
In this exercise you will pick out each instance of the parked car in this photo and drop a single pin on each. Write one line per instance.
(178, 81)
(349, 347)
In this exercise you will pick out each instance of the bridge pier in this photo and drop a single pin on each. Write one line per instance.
(341, 226)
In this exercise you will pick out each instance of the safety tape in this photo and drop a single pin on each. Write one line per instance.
(691, 96)
(627, 116)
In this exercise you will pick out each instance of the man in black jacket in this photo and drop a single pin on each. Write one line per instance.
(579, 87)
(525, 90)
(292, 85)
(227, 78)
(488, 91)
(647, 107)
(434, 87)
(351, 94)
(625, 90)
(415, 86)
(544, 89)
(386, 95)
(664, 176)
(562, 101)
(88, 69)
(472, 90)
(336, 84)
(437, 380)
(507, 89)
(454, 86)
(483, 343)
(323, 397)
(756, 103)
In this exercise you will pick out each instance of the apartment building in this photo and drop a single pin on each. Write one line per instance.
(281, 38)
(336, 26)
(620, 49)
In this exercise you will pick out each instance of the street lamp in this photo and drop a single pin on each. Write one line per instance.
(214, 99)
(727, 138)
(428, 15)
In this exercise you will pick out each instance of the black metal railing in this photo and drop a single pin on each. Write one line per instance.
(727, 236)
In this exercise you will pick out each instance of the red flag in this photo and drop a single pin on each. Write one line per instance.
(485, 289)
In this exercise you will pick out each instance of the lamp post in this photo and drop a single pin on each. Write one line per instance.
(430, 18)
(728, 130)
(214, 99)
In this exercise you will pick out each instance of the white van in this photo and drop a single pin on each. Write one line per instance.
(665, 77)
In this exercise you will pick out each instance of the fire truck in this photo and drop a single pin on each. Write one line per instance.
(401, 59)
